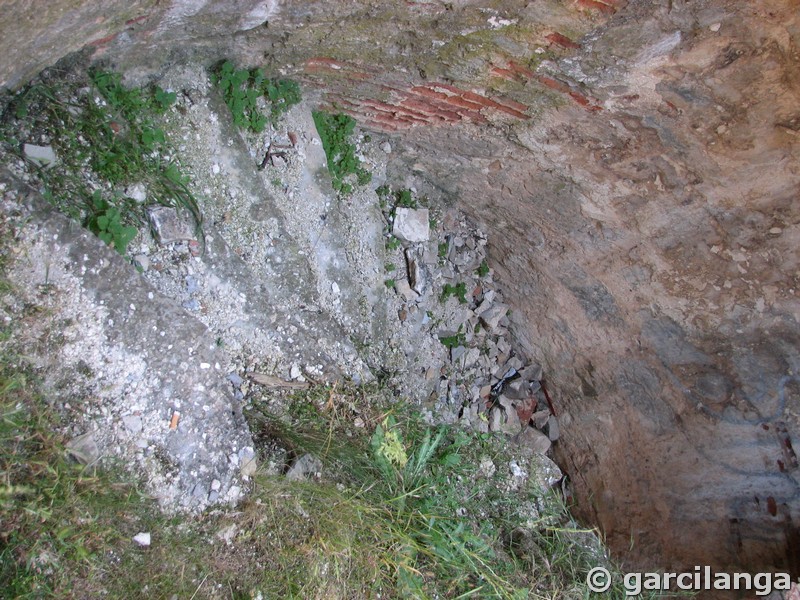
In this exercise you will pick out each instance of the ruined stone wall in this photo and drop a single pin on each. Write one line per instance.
(637, 167)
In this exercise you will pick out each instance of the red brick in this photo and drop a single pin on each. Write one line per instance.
(562, 40)
(462, 102)
(418, 108)
(511, 103)
(579, 98)
(478, 99)
(447, 115)
(598, 6)
(488, 103)
(450, 104)
(386, 118)
(553, 84)
(505, 74)
(404, 114)
(517, 68)
(378, 107)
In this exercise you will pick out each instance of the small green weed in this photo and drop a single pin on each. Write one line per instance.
(106, 223)
(383, 193)
(453, 341)
(405, 199)
(392, 243)
(459, 291)
(241, 89)
(483, 269)
(443, 250)
(390, 283)
(335, 131)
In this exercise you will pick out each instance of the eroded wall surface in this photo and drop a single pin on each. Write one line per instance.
(637, 166)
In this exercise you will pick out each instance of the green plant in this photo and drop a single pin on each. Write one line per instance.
(390, 283)
(405, 199)
(435, 526)
(390, 267)
(282, 94)
(335, 131)
(392, 243)
(383, 192)
(442, 249)
(109, 135)
(241, 89)
(453, 341)
(459, 291)
(106, 223)
(483, 269)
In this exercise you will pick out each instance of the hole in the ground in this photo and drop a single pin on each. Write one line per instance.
(602, 190)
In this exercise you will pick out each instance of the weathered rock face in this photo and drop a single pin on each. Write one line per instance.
(638, 168)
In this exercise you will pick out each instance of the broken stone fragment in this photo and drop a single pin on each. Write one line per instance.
(505, 419)
(487, 467)
(306, 465)
(417, 273)
(517, 389)
(83, 448)
(137, 192)
(142, 538)
(535, 440)
(514, 362)
(540, 418)
(553, 431)
(532, 372)
(411, 224)
(492, 315)
(133, 423)
(142, 261)
(496, 419)
(170, 226)
(546, 472)
(403, 289)
(456, 353)
(247, 461)
(42, 156)
(471, 358)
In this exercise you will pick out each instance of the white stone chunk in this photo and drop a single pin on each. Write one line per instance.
(411, 224)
